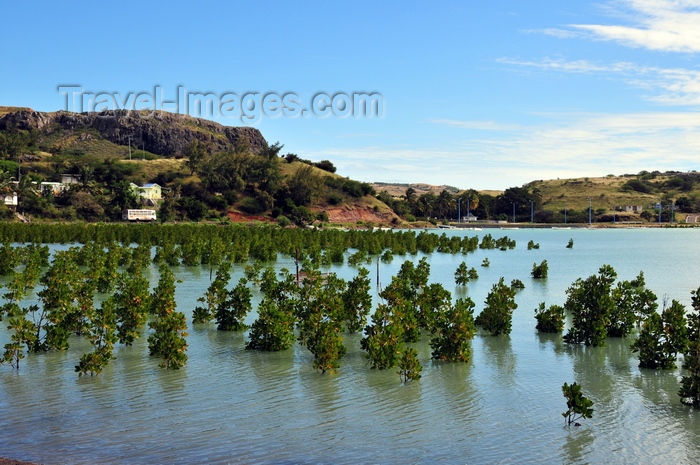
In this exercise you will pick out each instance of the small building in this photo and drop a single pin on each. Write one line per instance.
(10, 200)
(692, 218)
(53, 188)
(67, 179)
(633, 208)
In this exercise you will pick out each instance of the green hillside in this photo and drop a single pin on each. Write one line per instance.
(613, 193)
(206, 171)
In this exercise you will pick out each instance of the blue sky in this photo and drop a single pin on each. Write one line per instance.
(478, 94)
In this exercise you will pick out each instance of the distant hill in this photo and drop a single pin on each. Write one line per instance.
(629, 197)
(608, 193)
(399, 189)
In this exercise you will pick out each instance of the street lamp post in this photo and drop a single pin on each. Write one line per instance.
(459, 210)
(673, 212)
(513, 211)
(532, 211)
(590, 211)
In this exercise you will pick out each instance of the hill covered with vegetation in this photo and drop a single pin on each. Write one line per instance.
(643, 197)
(205, 170)
(212, 172)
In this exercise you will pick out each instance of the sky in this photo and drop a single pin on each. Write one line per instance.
(478, 94)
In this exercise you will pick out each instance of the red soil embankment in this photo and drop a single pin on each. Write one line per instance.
(354, 214)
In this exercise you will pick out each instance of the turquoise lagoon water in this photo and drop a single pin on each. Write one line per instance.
(234, 406)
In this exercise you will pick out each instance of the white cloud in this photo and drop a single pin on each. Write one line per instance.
(577, 66)
(671, 86)
(478, 125)
(556, 32)
(665, 25)
(572, 145)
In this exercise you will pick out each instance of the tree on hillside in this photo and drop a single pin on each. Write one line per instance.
(195, 153)
(122, 197)
(411, 197)
(14, 142)
(304, 186)
(224, 171)
(325, 165)
(265, 174)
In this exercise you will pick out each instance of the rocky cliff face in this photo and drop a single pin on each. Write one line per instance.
(162, 133)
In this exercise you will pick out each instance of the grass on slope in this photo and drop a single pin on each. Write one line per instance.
(608, 193)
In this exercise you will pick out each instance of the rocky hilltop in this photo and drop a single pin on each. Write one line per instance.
(161, 133)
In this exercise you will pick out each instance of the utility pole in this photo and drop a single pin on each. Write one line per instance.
(459, 210)
(129, 147)
(532, 211)
(590, 211)
(564, 214)
(468, 212)
(513, 211)
(659, 211)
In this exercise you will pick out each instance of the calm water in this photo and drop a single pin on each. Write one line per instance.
(229, 405)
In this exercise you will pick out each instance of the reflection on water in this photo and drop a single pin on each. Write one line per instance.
(229, 405)
(499, 353)
(578, 445)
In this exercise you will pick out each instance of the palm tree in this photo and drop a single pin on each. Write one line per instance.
(5, 182)
(445, 201)
(426, 203)
(25, 188)
(412, 200)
